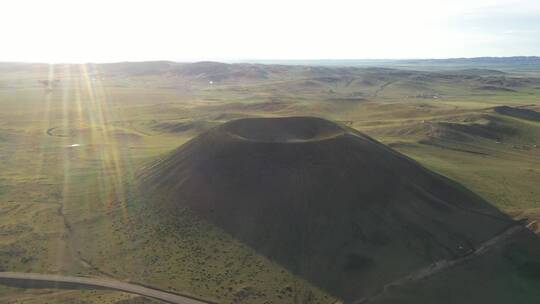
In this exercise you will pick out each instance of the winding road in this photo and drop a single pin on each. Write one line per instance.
(29, 280)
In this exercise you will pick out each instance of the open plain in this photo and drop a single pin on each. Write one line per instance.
(92, 157)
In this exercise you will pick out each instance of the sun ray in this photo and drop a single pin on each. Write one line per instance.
(101, 128)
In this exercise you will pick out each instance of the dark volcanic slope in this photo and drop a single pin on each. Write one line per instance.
(330, 204)
(518, 112)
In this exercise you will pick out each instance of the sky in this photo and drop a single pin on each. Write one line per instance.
(76, 31)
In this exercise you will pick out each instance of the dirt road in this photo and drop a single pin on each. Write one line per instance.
(36, 280)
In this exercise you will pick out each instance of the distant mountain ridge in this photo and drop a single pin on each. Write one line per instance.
(513, 60)
(322, 61)
(481, 60)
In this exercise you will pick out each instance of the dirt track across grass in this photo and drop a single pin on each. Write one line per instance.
(35, 280)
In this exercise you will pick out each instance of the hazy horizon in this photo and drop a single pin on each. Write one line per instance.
(278, 61)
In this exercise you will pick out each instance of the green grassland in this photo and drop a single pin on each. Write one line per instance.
(52, 296)
(71, 149)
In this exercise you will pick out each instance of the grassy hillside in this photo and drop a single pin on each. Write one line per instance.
(512, 266)
(72, 138)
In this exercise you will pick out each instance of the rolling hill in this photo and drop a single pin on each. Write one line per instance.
(73, 138)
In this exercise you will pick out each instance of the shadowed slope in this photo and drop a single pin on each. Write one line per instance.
(522, 113)
(330, 204)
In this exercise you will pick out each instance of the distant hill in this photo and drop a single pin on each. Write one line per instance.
(515, 64)
(480, 60)
(360, 62)
(288, 69)
(522, 113)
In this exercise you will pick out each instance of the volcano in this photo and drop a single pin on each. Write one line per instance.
(327, 202)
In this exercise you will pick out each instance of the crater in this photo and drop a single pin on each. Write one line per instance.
(283, 129)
